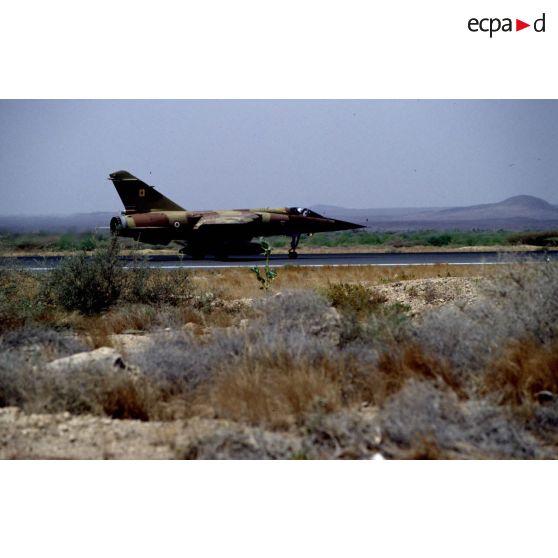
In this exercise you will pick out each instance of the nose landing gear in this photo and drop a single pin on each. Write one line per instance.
(294, 245)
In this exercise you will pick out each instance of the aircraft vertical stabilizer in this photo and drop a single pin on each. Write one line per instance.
(139, 197)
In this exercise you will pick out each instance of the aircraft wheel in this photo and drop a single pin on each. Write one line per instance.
(293, 255)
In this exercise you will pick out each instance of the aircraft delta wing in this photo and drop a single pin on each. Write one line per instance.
(152, 218)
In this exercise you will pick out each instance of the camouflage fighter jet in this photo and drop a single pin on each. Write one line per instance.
(152, 218)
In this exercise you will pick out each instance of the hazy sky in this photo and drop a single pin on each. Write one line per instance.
(55, 156)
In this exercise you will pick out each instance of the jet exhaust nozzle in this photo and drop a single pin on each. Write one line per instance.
(117, 224)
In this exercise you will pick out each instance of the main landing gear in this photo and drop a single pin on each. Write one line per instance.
(294, 245)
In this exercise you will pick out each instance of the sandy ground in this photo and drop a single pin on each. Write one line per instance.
(63, 436)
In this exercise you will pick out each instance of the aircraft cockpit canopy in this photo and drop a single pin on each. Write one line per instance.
(304, 212)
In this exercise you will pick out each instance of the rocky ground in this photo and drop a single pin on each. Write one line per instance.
(63, 436)
(422, 295)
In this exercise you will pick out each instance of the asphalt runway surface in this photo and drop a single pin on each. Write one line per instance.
(32, 263)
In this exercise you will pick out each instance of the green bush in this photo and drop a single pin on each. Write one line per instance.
(147, 286)
(88, 243)
(67, 242)
(88, 285)
(20, 302)
(439, 240)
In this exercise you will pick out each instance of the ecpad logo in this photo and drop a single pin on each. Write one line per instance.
(493, 25)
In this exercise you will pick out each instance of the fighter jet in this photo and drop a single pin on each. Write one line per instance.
(152, 218)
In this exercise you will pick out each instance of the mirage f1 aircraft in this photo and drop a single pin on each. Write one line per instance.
(152, 218)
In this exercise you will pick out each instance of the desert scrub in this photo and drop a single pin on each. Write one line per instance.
(20, 300)
(28, 383)
(277, 388)
(401, 364)
(88, 284)
(421, 416)
(520, 303)
(149, 286)
(240, 442)
(93, 284)
(522, 374)
(365, 316)
(354, 298)
(21, 350)
(288, 309)
(182, 362)
(279, 375)
(49, 342)
(109, 393)
(341, 435)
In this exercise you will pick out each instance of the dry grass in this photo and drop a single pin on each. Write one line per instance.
(98, 330)
(397, 367)
(235, 283)
(277, 390)
(523, 370)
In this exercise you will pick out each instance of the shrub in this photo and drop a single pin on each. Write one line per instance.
(538, 238)
(57, 344)
(87, 243)
(23, 349)
(297, 313)
(177, 359)
(67, 242)
(341, 435)
(14, 367)
(529, 294)
(20, 303)
(148, 286)
(521, 303)
(354, 298)
(241, 443)
(114, 394)
(422, 414)
(88, 285)
(383, 330)
(439, 240)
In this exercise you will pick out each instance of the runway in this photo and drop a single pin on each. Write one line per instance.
(33, 263)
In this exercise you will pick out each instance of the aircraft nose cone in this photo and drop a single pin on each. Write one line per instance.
(339, 225)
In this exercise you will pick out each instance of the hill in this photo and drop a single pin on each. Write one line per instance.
(516, 213)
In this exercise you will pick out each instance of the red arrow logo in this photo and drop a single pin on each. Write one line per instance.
(519, 25)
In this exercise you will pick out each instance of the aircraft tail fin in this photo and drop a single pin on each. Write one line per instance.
(139, 197)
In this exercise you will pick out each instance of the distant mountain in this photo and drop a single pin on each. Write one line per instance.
(81, 222)
(525, 207)
(515, 213)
